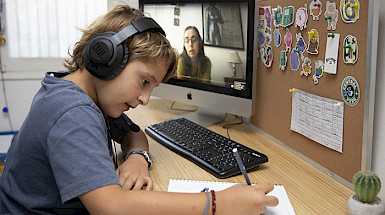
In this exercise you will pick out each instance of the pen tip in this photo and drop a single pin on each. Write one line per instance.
(235, 149)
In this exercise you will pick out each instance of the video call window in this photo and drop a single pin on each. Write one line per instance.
(211, 39)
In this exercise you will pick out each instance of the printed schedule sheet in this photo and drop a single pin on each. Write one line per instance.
(317, 118)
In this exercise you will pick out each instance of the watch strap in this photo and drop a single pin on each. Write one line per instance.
(145, 154)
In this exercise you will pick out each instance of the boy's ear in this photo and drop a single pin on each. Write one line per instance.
(107, 54)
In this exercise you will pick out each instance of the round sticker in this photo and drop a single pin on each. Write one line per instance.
(350, 91)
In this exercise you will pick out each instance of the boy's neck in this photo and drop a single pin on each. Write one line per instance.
(85, 81)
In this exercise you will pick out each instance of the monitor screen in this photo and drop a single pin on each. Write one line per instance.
(215, 42)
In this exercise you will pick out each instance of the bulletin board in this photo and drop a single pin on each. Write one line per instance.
(273, 94)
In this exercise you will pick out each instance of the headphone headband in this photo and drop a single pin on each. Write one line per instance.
(107, 53)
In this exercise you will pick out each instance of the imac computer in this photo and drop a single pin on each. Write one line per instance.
(223, 84)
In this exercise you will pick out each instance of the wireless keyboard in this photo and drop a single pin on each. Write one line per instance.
(207, 149)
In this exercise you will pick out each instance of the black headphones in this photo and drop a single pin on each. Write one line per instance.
(107, 53)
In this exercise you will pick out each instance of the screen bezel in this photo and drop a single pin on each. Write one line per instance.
(247, 93)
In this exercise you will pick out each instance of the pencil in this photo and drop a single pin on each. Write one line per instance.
(241, 166)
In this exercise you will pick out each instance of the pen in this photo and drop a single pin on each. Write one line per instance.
(241, 166)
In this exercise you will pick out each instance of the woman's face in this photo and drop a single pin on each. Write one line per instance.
(191, 43)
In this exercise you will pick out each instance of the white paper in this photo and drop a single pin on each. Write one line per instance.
(195, 186)
(331, 53)
(5, 142)
(319, 119)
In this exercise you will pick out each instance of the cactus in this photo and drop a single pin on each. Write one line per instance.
(366, 185)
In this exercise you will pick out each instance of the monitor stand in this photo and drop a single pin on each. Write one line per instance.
(203, 116)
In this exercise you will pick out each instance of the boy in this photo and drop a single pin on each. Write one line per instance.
(60, 161)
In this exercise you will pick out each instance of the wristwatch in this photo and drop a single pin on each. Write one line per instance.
(145, 154)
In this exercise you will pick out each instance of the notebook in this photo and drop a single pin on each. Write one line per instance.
(195, 186)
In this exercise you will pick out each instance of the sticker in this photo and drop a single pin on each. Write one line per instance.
(268, 56)
(262, 17)
(350, 91)
(350, 54)
(319, 69)
(315, 9)
(350, 10)
(283, 60)
(288, 40)
(262, 53)
(268, 37)
(268, 16)
(261, 37)
(288, 16)
(313, 42)
(301, 17)
(331, 53)
(300, 45)
(277, 16)
(294, 60)
(331, 15)
(277, 37)
(306, 67)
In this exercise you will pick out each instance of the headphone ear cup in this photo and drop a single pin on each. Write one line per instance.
(120, 62)
(104, 59)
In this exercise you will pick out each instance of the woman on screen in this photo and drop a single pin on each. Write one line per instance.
(192, 62)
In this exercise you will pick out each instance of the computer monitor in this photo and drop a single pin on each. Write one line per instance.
(227, 32)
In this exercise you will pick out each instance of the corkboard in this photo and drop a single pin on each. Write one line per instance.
(273, 99)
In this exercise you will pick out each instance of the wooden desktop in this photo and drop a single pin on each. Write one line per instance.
(310, 191)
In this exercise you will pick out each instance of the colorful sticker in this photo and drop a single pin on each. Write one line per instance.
(277, 16)
(331, 53)
(301, 17)
(313, 42)
(282, 60)
(350, 91)
(288, 16)
(264, 17)
(261, 37)
(319, 69)
(306, 67)
(300, 45)
(350, 10)
(268, 56)
(350, 54)
(277, 37)
(294, 60)
(262, 53)
(331, 15)
(288, 40)
(268, 37)
(315, 9)
(268, 16)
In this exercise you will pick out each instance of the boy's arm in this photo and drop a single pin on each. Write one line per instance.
(239, 199)
(112, 199)
(133, 173)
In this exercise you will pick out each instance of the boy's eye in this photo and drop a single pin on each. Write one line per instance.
(144, 82)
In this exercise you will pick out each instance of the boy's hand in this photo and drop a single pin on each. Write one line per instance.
(133, 173)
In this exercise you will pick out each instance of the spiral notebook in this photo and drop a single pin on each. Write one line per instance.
(195, 186)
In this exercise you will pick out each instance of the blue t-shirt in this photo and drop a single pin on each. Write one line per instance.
(60, 152)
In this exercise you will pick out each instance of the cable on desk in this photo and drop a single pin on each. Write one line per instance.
(228, 126)
(191, 110)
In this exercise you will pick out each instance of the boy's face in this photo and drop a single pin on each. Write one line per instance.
(132, 87)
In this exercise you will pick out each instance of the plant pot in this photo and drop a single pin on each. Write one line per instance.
(356, 207)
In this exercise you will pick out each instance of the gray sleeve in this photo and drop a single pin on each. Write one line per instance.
(78, 153)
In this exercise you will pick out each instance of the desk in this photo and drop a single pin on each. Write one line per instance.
(310, 191)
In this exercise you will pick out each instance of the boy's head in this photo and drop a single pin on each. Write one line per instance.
(149, 46)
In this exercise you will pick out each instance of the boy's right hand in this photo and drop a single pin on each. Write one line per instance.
(245, 199)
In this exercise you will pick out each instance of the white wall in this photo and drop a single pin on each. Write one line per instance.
(378, 159)
(20, 93)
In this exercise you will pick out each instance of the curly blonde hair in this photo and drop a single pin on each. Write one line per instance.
(148, 46)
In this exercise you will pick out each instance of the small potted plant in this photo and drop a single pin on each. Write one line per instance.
(365, 201)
